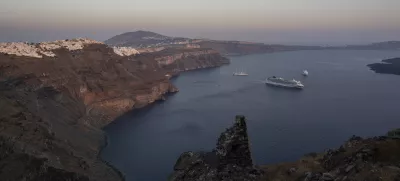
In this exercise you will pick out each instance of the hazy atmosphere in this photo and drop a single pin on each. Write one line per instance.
(205, 90)
(268, 21)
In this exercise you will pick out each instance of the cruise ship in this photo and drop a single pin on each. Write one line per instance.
(280, 82)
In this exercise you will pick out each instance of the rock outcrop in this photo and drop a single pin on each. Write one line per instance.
(388, 66)
(358, 159)
(52, 107)
(231, 160)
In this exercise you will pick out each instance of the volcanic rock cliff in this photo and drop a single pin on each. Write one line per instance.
(358, 159)
(231, 160)
(56, 96)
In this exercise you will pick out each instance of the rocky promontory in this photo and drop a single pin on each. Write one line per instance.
(56, 96)
(388, 66)
(358, 159)
(230, 160)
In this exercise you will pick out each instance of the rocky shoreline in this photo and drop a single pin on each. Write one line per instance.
(358, 159)
(56, 96)
(388, 66)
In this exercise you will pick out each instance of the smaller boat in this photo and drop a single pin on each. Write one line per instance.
(240, 74)
(305, 73)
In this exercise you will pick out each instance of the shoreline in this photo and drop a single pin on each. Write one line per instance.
(102, 147)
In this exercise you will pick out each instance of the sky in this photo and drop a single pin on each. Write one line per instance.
(268, 21)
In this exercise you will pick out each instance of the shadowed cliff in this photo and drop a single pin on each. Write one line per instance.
(231, 160)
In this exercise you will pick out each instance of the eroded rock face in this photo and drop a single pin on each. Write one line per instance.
(182, 59)
(55, 106)
(17, 165)
(233, 145)
(231, 160)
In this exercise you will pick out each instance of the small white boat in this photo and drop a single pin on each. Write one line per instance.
(305, 73)
(241, 73)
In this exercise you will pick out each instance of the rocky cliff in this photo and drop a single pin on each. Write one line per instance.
(358, 159)
(180, 59)
(230, 160)
(56, 96)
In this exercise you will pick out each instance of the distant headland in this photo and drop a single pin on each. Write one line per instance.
(388, 66)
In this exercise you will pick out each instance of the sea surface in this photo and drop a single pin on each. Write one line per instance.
(341, 98)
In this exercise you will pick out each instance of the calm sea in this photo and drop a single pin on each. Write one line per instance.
(341, 97)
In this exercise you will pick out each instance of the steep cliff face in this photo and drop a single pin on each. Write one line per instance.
(94, 76)
(231, 160)
(47, 128)
(53, 104)
(189, 59)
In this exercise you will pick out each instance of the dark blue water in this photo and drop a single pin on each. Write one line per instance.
(342, 97)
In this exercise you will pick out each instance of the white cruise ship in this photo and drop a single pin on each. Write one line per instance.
(280, 82)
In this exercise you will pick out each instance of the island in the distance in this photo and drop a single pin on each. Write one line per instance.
(388, 66)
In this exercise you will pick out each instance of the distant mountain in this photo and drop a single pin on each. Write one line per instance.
(142, 39)
(388, 45)
(147, 39)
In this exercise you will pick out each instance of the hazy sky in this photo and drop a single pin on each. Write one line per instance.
(269, 21)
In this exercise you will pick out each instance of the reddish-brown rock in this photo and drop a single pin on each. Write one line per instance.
(53, 107)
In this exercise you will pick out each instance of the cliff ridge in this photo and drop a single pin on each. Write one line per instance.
(56, 96)
(358, 159)
(230, 160)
